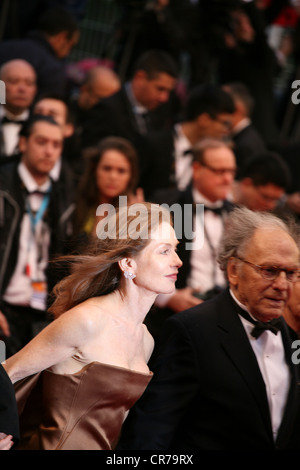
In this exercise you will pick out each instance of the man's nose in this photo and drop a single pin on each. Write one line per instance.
(281, 282)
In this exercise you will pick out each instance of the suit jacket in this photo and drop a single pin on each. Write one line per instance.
(247, 143)
(159, 163)
(183, 199)
(9, 419)
(113, 116)
(207, 392)
(35, 49)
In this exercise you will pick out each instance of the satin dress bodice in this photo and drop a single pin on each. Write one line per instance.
(80, 411)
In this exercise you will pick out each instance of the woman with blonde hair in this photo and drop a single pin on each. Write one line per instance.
(86, 369)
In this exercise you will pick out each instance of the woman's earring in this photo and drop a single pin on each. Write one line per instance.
(129, 275)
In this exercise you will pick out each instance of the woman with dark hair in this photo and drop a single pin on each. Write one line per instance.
(111, 171)
(86, 369)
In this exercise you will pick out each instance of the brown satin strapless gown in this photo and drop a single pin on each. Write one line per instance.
(81, 411)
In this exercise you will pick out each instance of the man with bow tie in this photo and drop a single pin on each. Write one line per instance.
(167, 154)
(200, 276)
(224, 377)
(20, 83)
(33, 227)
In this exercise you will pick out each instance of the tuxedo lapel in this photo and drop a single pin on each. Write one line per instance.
(292, 404)
(236, 345)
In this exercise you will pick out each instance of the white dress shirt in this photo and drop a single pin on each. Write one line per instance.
(205, 272)
(183, 163)
(270, 355)
(10, 131)
(33, 249)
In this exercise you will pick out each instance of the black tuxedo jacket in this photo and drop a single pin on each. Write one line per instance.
(114, 116)
(207, 391)
(9, 419)
(184, 199)
(247, 144)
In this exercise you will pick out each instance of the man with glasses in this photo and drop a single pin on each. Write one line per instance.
(213, 171)
(224, 378)
(264, 181)
(167, 155)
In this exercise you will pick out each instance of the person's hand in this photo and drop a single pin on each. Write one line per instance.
(6, 441)
(4, 325)
(183, 299)
(137, 197)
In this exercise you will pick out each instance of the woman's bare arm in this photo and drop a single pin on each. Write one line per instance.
(56, 343)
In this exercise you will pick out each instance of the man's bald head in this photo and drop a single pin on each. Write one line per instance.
(100, 82)
(20, 81)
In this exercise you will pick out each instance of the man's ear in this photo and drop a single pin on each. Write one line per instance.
(68, 130)
(232, 271)
(22, 143)
(247, 181)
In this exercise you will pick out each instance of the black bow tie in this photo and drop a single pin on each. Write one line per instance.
(215, 210)
(7, 120)
(188, 152)
(260, 326)
(38, 192)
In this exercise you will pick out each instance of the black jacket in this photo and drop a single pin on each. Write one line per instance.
(9, 419)
(12, 209)
(207, 391)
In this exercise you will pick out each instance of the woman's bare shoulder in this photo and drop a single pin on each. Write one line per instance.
(86, 316)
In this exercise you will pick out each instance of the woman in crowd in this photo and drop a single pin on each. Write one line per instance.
(88, 367)
(111, 171)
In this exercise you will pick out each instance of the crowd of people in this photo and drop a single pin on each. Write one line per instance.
(106, 309)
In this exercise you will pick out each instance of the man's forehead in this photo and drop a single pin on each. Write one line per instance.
(47, 129)
(272, 243)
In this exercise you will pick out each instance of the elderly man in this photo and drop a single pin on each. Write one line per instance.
(222, 381)
(213, 174)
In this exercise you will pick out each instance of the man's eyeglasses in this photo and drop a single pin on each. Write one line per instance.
(272, 272)
(220, 171)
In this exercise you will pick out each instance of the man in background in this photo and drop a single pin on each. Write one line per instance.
(21, 88)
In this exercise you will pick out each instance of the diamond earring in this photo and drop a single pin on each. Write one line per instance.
(129, 275)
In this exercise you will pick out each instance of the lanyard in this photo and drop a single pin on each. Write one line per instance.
(35, 218)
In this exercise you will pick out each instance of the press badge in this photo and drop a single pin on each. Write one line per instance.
(39, 295)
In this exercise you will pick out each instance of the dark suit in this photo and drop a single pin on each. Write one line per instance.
(207, 391)
(247, 144)
(156, 317)
(36, 50)
(114, 116)
(9, 419)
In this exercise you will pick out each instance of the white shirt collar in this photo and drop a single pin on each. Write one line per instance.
(241, 305)
(29, 181)
(241, 125)
(198, 198)
(137, 107)
(23, 116)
